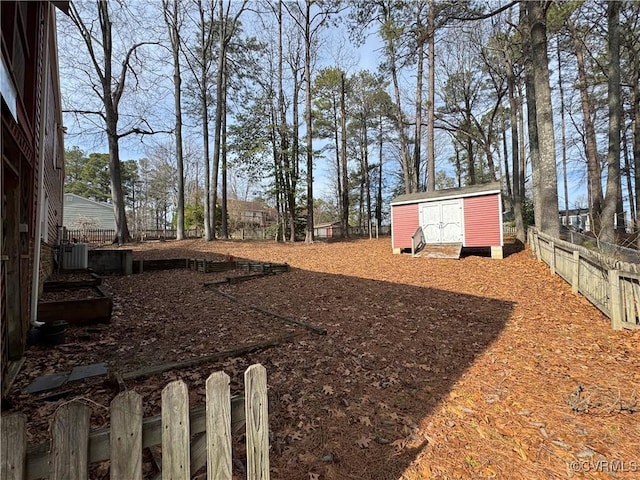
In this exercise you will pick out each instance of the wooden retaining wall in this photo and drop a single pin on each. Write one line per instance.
(611, 285)
(189, 439)
(208, 266)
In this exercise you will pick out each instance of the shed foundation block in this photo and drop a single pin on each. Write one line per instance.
(497, 253)
(397, 251)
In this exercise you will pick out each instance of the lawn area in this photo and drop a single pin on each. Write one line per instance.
(430, 368)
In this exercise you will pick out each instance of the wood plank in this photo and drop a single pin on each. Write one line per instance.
(308, 326)
(636, 299)
(13, 444)
(126, 436)
(69, 457)
(176, 436)
(218, 427)
(256, 411)
(252, 347)
(615, 302)
(198, 452)
(575, 274)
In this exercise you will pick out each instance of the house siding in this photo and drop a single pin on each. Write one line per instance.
(53, 157)
(29, 174)
(404, 223)
(482, 221)
(81, 213)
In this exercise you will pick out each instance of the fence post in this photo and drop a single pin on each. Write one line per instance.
(615, 300)
(255, 384)
(125, 439)
(575, 278)
(68, 457)
(552, 260)
(14, 447)
(218, 413)
(175, 432)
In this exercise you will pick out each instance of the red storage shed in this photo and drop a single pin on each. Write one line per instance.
(468, 216)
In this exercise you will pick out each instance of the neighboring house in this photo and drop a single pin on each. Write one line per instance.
(243, 214)
(578, 219)
(85, 214)
(32, 168)
(327, 230)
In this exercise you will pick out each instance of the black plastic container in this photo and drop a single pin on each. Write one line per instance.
(52, 333)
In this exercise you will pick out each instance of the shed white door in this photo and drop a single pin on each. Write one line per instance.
(442, 221)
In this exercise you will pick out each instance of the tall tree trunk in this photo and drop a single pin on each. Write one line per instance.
(563, 129)
(635, 115)
(309, 125)
(431, 107)
(627, 172)
(470, 160)
(505, 149)
(295, 155)
(223, 151)
(367, 179)
(518, 190)
(285, 154)
(204, 43)
(417, 142)
(609, 210)
(547, 174)
(380, 157)
(399, 117)
(343, 150)
(591, 145)
(115, 175)
(218, 117)
(339, 178)
(172, 21)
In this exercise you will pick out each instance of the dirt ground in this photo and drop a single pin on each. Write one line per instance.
(430, 369)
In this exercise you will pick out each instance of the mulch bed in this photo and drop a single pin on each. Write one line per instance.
(470, 368)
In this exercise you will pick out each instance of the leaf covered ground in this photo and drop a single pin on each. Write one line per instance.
(431, 368)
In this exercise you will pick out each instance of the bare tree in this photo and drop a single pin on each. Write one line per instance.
(310, 21)
(591, 149)
(109, 85)
(173, 19)
(228, 24)
(200, 61)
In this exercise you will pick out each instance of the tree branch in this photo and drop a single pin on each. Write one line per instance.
(117, 94)
(141, 131)
(486, 15)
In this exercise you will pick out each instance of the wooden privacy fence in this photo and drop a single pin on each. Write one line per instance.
(98, 236)
(611, 285)
(189, 438)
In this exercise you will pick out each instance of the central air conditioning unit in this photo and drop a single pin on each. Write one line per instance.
(75, 256)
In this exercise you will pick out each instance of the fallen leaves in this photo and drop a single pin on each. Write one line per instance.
(427, 364)
(363, 442)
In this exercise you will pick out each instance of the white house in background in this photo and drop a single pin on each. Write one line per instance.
(83, 213)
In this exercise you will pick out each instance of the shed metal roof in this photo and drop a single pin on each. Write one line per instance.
(470, 191)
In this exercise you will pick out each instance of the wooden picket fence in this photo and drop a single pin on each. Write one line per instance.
(190, 438)
(610, 284)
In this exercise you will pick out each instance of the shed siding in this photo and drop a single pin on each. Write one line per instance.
(482, 221)
(405, 221)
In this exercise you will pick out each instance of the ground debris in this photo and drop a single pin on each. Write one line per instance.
(431, 368)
